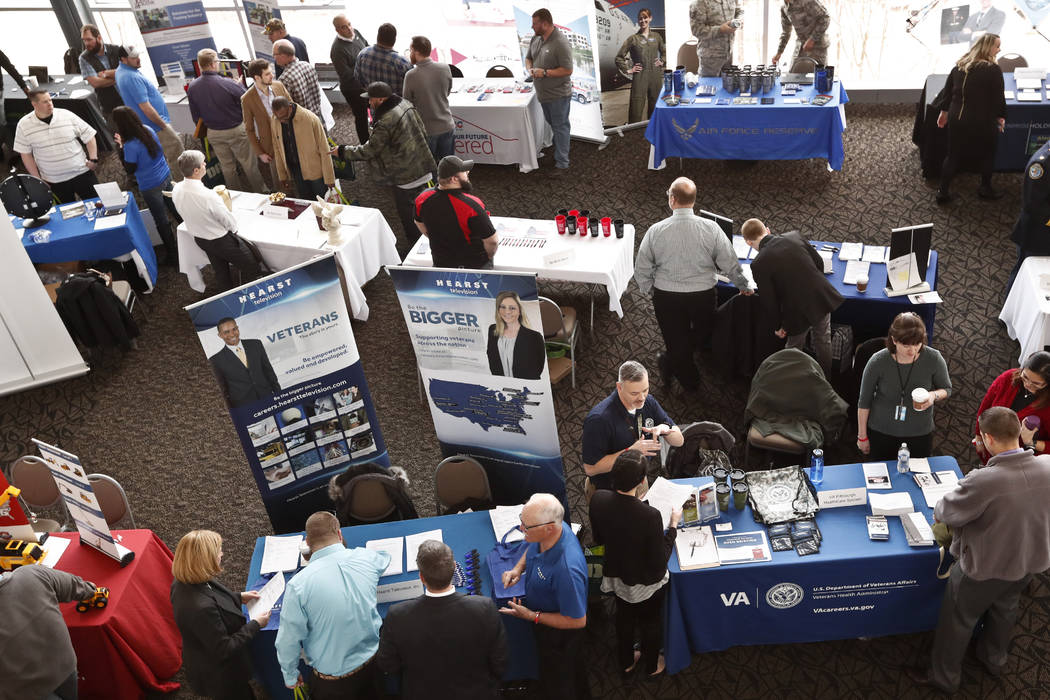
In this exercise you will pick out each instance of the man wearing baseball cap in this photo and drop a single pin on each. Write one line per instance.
(397, 150)
(141, 95)
(455, 221)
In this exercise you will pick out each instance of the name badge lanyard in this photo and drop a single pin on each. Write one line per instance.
(902, 408)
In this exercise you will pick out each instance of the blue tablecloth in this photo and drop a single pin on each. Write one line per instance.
(1027, 128)
(750, 132)
(77, 239)
(460, 532)
(853, 587)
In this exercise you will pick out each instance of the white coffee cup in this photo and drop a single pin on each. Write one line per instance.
(919, 397)
(862, 284)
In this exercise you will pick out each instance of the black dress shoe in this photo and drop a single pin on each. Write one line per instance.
(663, 363)
(944, 198)
(921, 676)
(989, 193)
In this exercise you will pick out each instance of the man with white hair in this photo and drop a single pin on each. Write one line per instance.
(298, 76)
(217, 100)
(555, 574)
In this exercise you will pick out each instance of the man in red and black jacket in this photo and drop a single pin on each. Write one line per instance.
(455, 221)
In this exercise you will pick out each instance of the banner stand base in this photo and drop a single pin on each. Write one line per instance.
(125, 558)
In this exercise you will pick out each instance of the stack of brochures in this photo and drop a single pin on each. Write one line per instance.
(935, 484)
(878, 527)
(917, 530)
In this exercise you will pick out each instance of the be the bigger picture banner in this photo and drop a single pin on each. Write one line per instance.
(173, 31)
(283, 352)
(489, 391)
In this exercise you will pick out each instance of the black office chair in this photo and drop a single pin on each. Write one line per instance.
(456, 72)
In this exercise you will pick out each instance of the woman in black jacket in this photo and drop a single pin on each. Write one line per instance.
(636, 554)
(215, 637)
(512, 344)
(973, 108)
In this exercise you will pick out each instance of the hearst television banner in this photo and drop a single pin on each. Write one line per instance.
(173, 31)
(489, 393)
(283, 353)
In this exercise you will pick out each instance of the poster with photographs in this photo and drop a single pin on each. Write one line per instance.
(481, 354)
(258, 13)
(617, 23)
(283, 353)
(173, 31)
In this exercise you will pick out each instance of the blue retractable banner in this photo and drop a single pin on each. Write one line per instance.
(504, 420)
(283, 352)
(258, 14)
(173, 31)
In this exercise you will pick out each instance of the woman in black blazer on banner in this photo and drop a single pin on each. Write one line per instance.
(215, 636)
(635, 570)
(973, 108)
(514, 349)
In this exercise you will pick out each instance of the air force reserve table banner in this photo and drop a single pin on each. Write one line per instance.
(173, 31)
(504, 419)
(284, 355)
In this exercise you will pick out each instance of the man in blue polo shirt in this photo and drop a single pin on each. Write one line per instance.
(555, 600)
(143, 96)
(627, 419)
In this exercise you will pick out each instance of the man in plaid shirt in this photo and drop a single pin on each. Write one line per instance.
(299, 77)
(380, 63)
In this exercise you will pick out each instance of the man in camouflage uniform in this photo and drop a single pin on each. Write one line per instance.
(709, 20)
(810, 20)
(643, 56)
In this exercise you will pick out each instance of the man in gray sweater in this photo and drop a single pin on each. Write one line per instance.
(427, 86)
(1001, 537)
(36, 655)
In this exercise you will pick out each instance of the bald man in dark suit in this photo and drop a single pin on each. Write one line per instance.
(242, 367)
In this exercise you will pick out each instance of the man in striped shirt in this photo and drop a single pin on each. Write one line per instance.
(677, 262)
(52, 142)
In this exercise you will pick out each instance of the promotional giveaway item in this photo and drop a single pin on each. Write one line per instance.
(282, 350)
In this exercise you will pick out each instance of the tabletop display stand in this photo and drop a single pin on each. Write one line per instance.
(908, 260)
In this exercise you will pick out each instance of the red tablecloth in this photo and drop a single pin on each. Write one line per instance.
(132, 646)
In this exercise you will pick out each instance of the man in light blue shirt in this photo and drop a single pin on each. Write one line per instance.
(141, 95)
(330, 610)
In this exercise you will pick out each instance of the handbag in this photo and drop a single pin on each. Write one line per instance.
(344, 167)
(504, 557)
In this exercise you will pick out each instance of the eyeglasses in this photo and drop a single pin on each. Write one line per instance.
(1030, 382)
(526, 528)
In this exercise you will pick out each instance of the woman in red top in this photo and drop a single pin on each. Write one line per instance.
(1026, 391)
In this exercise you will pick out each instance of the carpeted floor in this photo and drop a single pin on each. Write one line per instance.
(154, 419)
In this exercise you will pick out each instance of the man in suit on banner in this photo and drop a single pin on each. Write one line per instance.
(987, 20)
(242, 367)
(443, 643)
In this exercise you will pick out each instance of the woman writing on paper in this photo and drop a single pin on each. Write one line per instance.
(973, 108)
(1026, 390)
(215, 636)
(886, 412)
(636, 554)
(514, 349)
(642, 57)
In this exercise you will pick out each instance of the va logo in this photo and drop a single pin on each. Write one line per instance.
(732, 599)
(785, 595)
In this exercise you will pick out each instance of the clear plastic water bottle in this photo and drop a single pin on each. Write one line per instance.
(903, 456)
(816, 467)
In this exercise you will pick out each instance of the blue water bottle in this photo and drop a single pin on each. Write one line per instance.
(816, 467)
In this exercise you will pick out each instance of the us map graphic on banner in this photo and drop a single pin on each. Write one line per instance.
(504, 420)
(283, 352)
(80, 500)
(576, 21)
(173, 31)
(259, 13)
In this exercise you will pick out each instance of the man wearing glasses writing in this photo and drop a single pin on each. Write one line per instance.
(555, 600)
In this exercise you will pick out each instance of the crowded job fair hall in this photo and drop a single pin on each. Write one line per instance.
(549, 349)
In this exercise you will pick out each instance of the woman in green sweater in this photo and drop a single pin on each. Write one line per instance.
(886, 415)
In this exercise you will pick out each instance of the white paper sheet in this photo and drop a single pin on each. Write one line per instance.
(268, 596)
(828, 256)
(876, 475)
(855, 269)
(505, 518)
(111, 194)
(893, 503)
(666, 496)
(925, 298)
(875, 253)
(851, 251)
(107, 222)
(919, 465)
(395, 547)
(53, 549)
(741, 248)
(412, 543)
(903, 272)
(280, 554)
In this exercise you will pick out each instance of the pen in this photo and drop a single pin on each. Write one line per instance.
(692, 552)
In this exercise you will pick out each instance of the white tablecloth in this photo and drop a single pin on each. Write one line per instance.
(605, 261)
(1026, 312)
(368, 245)
(505, 128)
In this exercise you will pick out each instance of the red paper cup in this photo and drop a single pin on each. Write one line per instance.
(574, 212)
(581, 225)
(606, 226)
(560, 220)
